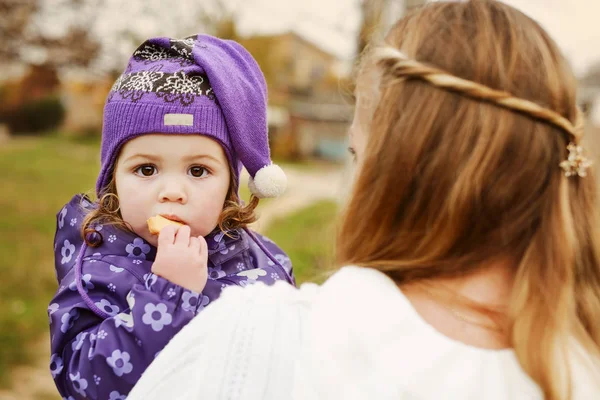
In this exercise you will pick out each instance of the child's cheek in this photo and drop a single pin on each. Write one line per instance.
(208, 217)
(134, 211)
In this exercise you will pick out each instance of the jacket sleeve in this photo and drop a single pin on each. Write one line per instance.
(101, 343)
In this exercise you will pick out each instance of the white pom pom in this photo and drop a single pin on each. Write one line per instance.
(269, 181)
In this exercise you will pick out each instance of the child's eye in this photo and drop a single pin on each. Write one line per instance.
(198, 172)
(145, 170)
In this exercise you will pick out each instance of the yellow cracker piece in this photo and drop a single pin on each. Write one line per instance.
(156, 223)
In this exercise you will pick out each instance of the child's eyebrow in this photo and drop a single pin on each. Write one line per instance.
(152, 157)
(195, 157)
(144, 156)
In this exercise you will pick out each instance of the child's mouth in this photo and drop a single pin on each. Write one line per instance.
(173, 218)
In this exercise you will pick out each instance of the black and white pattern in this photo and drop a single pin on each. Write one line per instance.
(171, 87)
(117, 85)
(182, 87)
(183, 47)
(135, 85)
(150, 53)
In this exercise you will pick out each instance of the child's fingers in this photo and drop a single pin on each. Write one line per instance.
(167, 235)
(203, 245)
(182, 237)
(194, 243)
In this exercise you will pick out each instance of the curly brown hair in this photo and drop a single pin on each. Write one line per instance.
(235, 215)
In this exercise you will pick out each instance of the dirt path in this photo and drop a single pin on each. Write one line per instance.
(305, 187)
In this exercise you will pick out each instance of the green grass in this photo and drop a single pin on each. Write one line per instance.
(307, 236)
(39, 175)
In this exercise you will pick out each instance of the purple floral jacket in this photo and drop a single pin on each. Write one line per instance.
(111, 316)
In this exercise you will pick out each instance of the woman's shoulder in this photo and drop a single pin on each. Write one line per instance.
(241, 346)
(260, 295)
(353, 337)
(362, 327)
(358, 287)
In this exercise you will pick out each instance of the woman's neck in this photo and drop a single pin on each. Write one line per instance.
(453, 306)
(491, 286)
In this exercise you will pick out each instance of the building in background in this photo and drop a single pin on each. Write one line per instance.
(309, 112)
(310, 101)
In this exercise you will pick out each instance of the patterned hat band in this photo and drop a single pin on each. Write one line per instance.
(177, 87)
(402, 67)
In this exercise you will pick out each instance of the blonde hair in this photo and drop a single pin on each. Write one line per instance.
(474, 108)
(234, 216)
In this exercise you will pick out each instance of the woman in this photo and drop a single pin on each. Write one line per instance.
(469, 242)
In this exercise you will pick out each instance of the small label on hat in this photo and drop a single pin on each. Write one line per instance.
(179, 119)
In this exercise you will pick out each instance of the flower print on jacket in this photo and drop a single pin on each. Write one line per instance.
(52, 308)
(119, 361)
(202, 302)
(253, 274)
(157, 316)
(67, 252)
(216, 272)
(138, 248)
(108, 308)
(189, 300)
(114, 395)
(56, 365)
(149, 280)
(79, 383)
(126, 319)
(86, 283)
(194, 302)
(68, 319)
(61, 217)
(116, 269)
(78, 343)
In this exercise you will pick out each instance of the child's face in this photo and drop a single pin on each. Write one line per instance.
(182, 177)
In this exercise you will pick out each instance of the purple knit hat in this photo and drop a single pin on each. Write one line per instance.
(197, 85)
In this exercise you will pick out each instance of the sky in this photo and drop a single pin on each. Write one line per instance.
(573, 24)
(331, 24)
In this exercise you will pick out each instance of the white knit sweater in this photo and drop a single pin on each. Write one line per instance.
(354, 337)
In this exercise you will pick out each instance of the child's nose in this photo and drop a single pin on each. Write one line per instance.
(173, 190)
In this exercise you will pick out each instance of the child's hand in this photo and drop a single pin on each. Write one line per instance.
(182, 259)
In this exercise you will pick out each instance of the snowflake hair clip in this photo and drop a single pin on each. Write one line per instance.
(576, 164)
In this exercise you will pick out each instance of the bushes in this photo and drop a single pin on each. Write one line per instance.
(34, 116)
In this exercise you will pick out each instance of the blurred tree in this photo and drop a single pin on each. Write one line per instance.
(14, 16)
(226, 28)
(25, 42)
(77, 33)
(32, 103)
(219, 18)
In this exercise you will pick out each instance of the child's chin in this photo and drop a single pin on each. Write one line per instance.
(153, 240)
(148, 237)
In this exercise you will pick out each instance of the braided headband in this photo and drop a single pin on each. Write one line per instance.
(404, 68)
